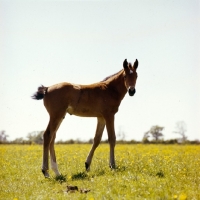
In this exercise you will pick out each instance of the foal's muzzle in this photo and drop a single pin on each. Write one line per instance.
(131, 92)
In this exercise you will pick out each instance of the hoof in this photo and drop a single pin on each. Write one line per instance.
(112, 167)
(45, 173)
(87, 166)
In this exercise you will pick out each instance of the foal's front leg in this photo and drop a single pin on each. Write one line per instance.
(97, 139)
(111, 139)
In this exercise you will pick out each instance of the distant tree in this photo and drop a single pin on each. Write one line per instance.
(35, 137)
(19, 140)
(90, 141)
(145, 137)
(3, 136)
(181, 130)
(155, 132)
(121, 134)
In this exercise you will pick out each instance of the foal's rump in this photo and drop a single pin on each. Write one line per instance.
(58, 97)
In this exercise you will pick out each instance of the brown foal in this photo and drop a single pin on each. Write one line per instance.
(99, 100)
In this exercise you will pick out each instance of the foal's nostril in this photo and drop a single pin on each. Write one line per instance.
(131, 92)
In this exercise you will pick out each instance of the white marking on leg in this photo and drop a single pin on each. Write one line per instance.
(54, 167)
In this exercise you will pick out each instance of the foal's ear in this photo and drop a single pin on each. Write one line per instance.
(125, 64)
(135, 64)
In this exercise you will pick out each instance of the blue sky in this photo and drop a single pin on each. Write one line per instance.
(47, 42)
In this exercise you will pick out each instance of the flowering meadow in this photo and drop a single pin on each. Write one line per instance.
(143, 172)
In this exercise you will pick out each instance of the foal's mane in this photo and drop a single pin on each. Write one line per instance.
(111, 76)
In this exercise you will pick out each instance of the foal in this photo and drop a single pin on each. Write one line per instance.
(99, 100)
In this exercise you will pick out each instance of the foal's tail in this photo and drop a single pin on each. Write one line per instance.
(40, 93)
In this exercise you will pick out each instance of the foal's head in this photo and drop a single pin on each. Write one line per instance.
(130, 76)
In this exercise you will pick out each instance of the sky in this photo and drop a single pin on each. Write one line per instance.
(48, 42)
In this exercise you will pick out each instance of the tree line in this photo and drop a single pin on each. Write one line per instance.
(153, 136)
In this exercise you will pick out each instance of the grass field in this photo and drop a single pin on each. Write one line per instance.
(143, 172)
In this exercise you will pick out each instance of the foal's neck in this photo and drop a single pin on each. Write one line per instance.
(118, 84)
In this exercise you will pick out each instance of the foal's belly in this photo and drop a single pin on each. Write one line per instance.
(83, 112)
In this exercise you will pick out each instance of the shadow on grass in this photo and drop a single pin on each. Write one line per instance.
(80, 176)
(100, 172)
(85, 175)
(56, 179)
(120, 168)
(60, 179)
(160, 174)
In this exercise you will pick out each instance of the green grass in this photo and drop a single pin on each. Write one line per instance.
(143, 172)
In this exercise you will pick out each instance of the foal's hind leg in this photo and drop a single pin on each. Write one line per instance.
(49, 137)
(97, 139)
(45, 164)
(54, 165)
